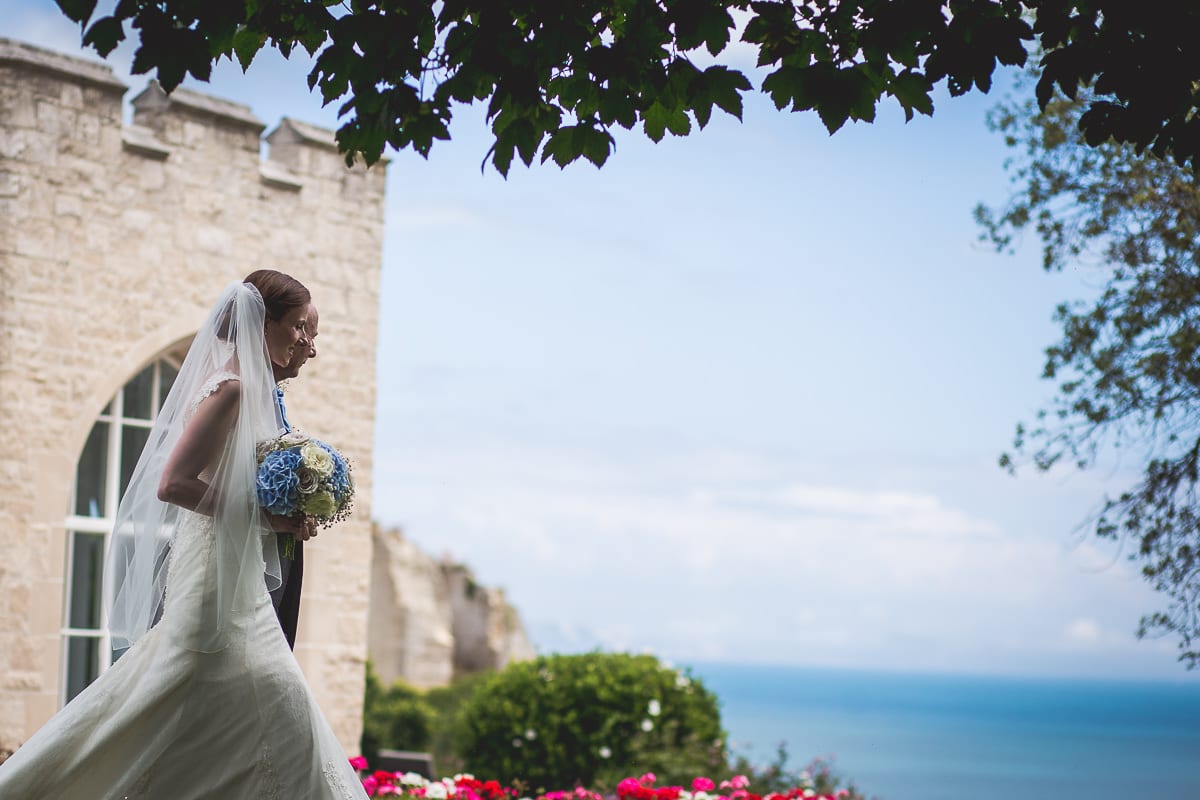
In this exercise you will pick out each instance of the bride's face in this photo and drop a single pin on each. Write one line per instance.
(286, 335)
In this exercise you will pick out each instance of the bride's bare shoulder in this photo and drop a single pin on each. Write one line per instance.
(223, 387)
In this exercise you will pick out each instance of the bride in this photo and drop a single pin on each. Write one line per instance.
(206, 699)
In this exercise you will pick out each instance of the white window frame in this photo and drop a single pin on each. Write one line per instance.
(103, 525)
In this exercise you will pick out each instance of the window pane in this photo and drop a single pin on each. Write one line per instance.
(87, 566)
(91, 475)
(138, 394)
(83, 663)
(133, 440)
(166, 380)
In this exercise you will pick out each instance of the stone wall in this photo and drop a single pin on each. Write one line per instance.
(114, 242)
(430, 620)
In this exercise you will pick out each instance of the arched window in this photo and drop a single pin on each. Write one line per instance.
(104, 469)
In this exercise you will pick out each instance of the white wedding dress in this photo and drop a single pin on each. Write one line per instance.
(172, 723)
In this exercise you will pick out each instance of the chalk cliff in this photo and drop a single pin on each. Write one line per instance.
(430, 621)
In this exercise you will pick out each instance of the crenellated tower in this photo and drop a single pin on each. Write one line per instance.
(114, 240)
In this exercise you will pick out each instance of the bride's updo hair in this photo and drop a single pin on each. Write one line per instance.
(280, 292)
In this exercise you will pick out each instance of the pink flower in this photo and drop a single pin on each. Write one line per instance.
(739, 781)
(628, 786)
(358, 762)
(370, 785)
(648, 779)
(389, 789)
(703, 785)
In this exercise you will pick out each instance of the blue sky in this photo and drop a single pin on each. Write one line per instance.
(737, 396)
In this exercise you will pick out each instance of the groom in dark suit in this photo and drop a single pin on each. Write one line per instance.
(287, 597)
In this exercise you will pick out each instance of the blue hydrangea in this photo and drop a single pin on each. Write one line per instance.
(338, 481)
(277, 485)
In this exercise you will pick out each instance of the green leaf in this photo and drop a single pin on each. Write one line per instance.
(725, 86)
(654, 122)
(912, 90)
(595, 144)
(788, 84)
(104, 34)
(78, 10)
(246, 44)
(715, 27)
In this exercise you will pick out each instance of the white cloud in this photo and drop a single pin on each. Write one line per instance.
(675, 553)
(1084, 631)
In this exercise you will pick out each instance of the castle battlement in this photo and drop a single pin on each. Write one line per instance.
(163, 124)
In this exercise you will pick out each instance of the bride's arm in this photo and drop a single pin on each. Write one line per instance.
(198, 448)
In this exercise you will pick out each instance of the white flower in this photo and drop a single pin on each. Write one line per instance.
(517, 742)
(647, 725)
(412, 779)
(436, 791)
(464, 776)
(654, 709)
(683, 682)
(530, 734)
(809, 793)
(316, 458)
(605, 752)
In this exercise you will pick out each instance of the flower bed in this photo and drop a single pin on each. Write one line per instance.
(468, 787)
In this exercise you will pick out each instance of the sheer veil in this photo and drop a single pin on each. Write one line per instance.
(229, 345)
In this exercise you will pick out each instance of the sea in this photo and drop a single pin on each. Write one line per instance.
(901, 736)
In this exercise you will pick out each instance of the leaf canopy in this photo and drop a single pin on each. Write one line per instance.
(557, 77)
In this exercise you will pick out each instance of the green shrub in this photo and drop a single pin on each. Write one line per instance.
(447, 703)
(591, 719)
(394, 717)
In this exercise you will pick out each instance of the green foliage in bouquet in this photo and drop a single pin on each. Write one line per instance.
(394, 717)
(591, 719)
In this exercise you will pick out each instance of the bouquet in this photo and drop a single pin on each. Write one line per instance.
(298, 476)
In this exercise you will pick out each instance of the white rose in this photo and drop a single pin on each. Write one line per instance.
(317, 458)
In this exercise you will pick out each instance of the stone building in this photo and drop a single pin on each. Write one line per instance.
(114, 241)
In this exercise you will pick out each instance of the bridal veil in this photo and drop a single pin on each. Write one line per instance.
(230, 344)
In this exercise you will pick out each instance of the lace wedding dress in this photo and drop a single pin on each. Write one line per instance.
(171, 722)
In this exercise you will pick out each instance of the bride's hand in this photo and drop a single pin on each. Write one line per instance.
(302, 527)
